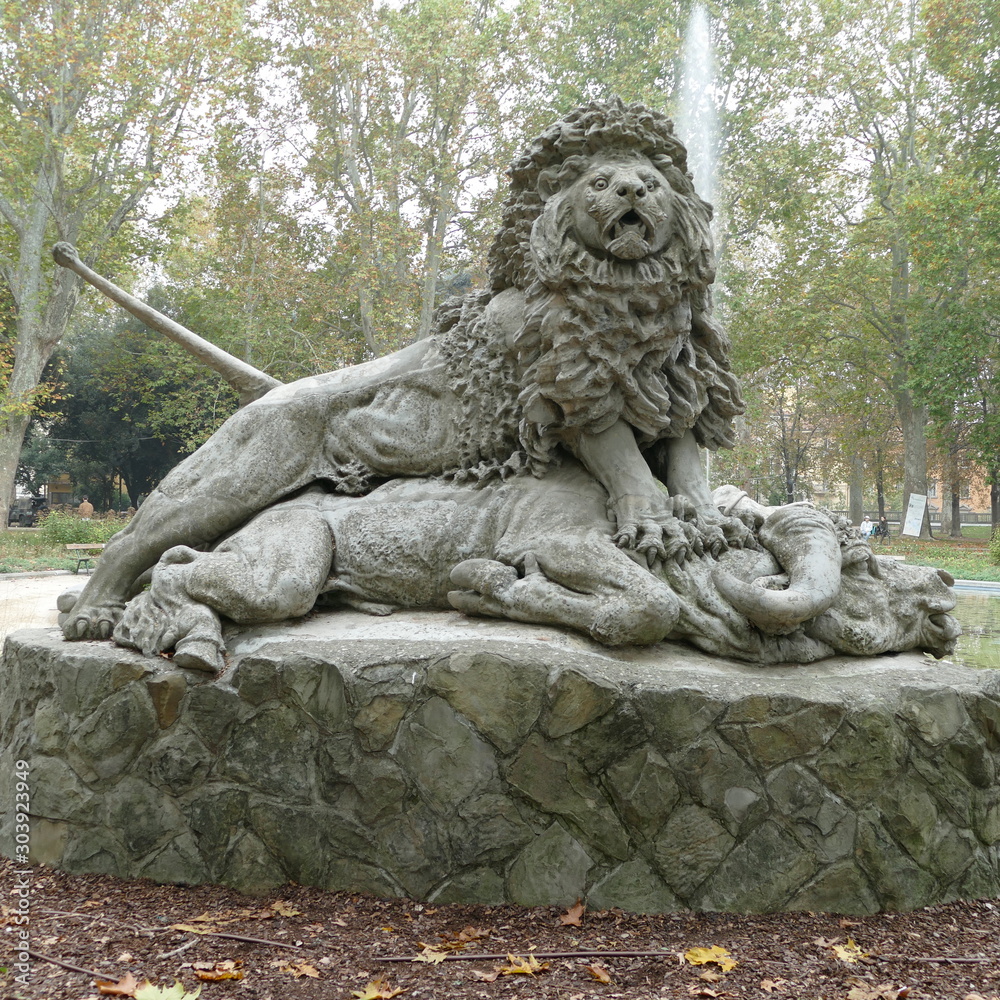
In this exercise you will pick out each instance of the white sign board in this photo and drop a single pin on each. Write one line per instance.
(914, 518)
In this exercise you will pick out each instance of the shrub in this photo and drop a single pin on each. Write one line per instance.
(59, 528)
(995, 547)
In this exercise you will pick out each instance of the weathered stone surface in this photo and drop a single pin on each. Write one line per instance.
(553, 868)
(362, 755)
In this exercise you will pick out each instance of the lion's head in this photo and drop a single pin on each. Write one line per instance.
(612, 178)
(612, 248)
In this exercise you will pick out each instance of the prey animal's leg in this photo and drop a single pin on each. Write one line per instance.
(270, 570)
(585, 583)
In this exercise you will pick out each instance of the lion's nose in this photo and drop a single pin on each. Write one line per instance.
(631, 189)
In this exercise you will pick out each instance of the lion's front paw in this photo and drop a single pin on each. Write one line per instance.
(716, 531)
(88, 621)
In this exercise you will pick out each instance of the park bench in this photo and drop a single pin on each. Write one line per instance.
(86, 551)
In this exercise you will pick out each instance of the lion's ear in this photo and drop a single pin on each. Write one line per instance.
(548, 183)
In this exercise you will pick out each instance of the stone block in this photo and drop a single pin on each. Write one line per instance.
(552, 870)
(513, 770)
(498, 697)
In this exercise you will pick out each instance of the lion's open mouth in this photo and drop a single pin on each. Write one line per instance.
(629, 237)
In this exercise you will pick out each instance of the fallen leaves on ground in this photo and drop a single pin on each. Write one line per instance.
(430, 954)
(458, 940)
(296, 969)
(770, 985)
(599, 973)
(176, 992)
(529, 966)
(486, 977)
(849, 952)
(217, 972)
(194, 929)
(124, 988)
(377, 989)
(882, 991)
(573, 917)
(715, 955)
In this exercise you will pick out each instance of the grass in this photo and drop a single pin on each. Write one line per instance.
(32, 550)
(966, 558)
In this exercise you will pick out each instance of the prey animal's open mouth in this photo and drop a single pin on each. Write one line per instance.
(941, 634)
(630, 236)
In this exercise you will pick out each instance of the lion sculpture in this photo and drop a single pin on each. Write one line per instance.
(595, 340)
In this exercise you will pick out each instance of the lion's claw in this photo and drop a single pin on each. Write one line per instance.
(97, 622)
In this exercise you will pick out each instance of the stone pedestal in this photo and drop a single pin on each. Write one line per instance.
(447, 759)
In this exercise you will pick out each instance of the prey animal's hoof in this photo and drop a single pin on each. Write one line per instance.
(195, 653)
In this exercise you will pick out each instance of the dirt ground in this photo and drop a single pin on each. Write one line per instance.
(94, 936)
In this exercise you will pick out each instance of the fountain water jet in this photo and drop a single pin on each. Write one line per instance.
(697, 118)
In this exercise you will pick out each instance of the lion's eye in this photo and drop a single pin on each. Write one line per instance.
(600, 184)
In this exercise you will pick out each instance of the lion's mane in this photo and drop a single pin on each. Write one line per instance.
(601, 339)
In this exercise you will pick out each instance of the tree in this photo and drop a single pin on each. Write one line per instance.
(95, 97)
(133, 408)
(411, 110)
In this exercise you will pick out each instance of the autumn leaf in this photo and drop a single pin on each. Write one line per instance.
(430, 954)
(285, 909)
(849, 952)
(573, 917)
(218, 972)
(377, 989)
(703, 991)
(125, 988)
(770, 985)
(709, 976)
(486, 977)
(296, 969)
(715, 954)
(176, 992)
(456, 941)
(528, 967)
(883, 991)
(599, 973)
(191, 929)
(822, 942)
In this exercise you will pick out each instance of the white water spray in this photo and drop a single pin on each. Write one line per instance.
(697, 118)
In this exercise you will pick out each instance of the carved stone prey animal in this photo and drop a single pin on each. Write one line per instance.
(541, 551)
(595, 340)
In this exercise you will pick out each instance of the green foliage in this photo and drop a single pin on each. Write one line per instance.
(995, 547)
(61, 528)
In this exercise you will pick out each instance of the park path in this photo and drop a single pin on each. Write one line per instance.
(30, 601)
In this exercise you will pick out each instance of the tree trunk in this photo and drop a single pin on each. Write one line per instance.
(994, 473)
(880, 481)
(855, 491)
(913, 419)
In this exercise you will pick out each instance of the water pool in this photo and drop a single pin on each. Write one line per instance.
(979, 613)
